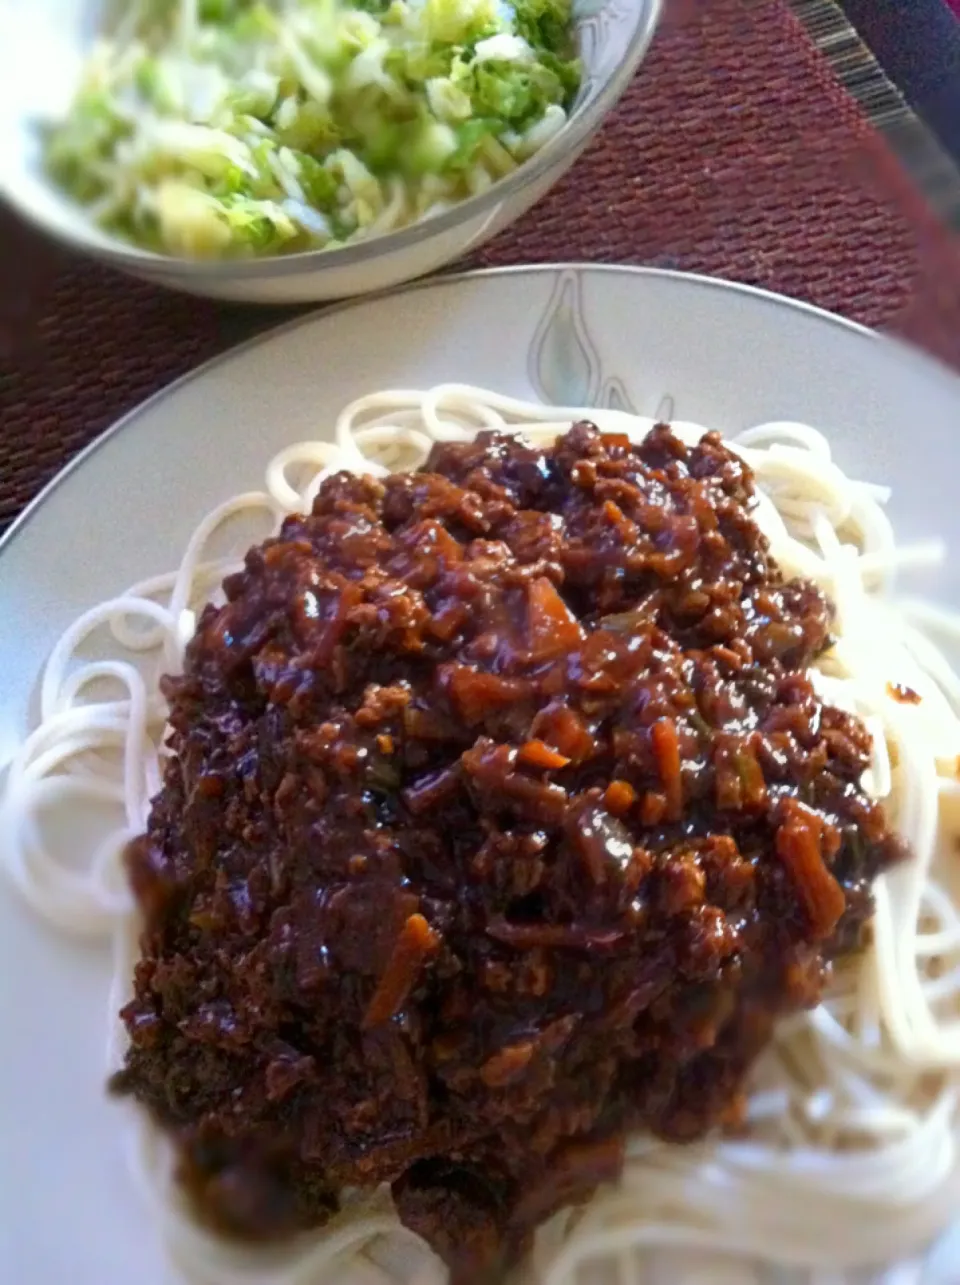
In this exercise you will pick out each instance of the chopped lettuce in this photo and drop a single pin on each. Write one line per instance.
(457, 22)
(447, 100)
(545, 24)
(320, 186)
(247, 127)
(513, 92)
(200, 225)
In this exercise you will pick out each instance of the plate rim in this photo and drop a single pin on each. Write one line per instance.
(638, 271)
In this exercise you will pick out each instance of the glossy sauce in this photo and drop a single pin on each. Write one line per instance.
(503, 819)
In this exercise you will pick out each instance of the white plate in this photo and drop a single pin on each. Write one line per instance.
(725, 356)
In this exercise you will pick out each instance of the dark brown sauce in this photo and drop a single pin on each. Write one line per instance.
(503, 819)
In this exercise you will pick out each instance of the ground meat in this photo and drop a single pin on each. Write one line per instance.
(502, 819)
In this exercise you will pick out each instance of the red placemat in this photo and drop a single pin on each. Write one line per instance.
(735, 152)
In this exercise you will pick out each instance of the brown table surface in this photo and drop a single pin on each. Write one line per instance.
(736, 152)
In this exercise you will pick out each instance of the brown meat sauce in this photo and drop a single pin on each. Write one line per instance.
(502, 819)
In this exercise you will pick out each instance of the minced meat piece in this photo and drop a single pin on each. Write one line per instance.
(502, 819)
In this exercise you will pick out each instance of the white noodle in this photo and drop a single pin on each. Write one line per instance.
(850, 1158)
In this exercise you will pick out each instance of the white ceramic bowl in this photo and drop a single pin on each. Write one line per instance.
(42, 45)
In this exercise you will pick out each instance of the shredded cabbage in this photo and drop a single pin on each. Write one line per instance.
(216, 128)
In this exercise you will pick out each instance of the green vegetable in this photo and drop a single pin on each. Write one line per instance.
(244, 127)
(449, 101)
(319, 185)
(255, 22)
(430, 148)
(516, 93)
(470, 138)
(568, 72)
(153, 80)
(545, 24)
(201, 225)
(256, 95)
(306, 126)
(77, 152)
(456, 22)
(222, 10)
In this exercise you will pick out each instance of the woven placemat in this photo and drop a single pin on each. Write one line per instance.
(736, 152)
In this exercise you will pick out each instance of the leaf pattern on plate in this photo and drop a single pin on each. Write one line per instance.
(666, 410)
(564, 364)
(614, 396)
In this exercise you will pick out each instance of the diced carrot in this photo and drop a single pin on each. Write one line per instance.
(728, 656)
(563, 729)
(475, 693)
(620, 440)
(507, 1065)
(445, 622)
(653, 807)
(798, 845)
(902, 694)
(416, 942)
(620, 797)
(666, 749)
(552, 627)
(538, 754)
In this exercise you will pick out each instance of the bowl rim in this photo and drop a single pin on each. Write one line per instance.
(575, 133)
